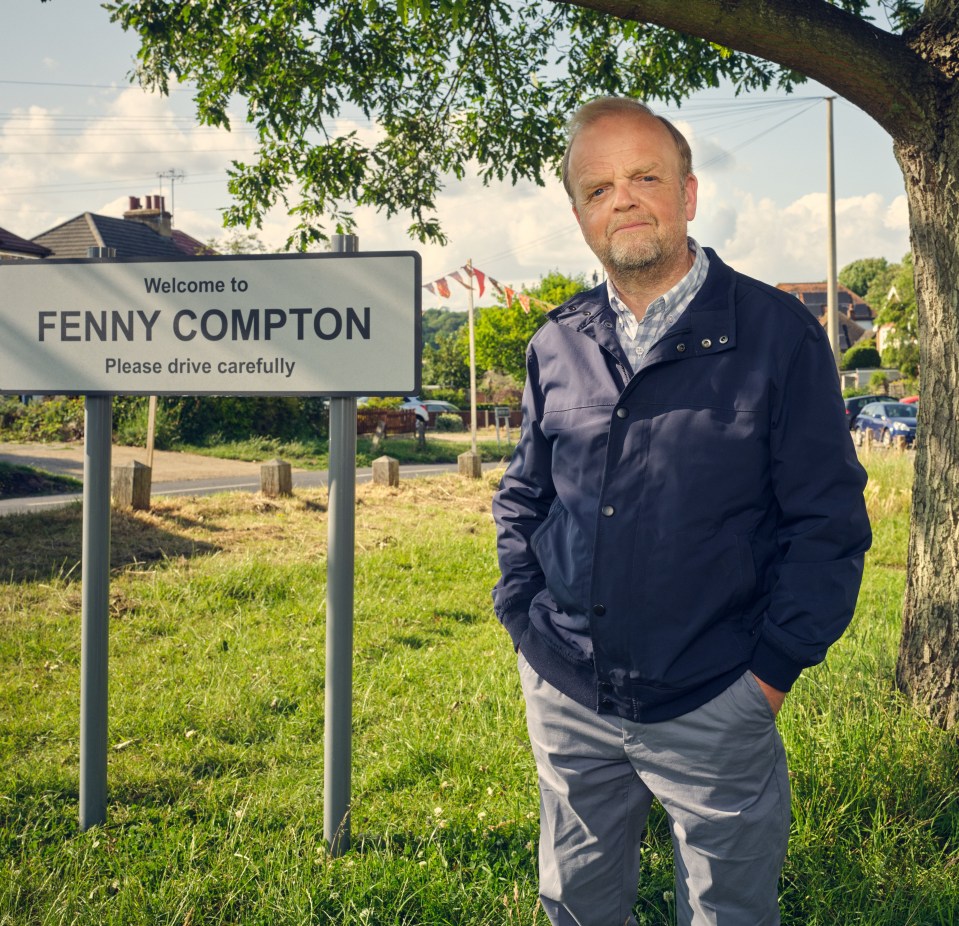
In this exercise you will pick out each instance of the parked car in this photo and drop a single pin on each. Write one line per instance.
(855, 403)
(886, 421)
(424, 407)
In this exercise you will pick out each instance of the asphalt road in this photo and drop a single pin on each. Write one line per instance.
(212, 485)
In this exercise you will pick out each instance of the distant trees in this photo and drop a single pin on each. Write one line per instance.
(889, 289)
(503, 331)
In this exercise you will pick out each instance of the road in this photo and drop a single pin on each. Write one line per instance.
(175, 474)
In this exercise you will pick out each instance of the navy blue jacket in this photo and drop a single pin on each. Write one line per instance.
(705, 515)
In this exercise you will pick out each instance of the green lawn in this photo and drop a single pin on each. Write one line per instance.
(216, 730)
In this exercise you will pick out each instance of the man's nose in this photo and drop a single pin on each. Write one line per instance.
(624, 195)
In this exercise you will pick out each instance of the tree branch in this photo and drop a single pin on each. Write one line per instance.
(874, 69)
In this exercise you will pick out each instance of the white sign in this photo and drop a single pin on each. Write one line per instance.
(325, 324)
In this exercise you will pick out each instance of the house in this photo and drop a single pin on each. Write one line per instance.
(855, 316)
(13, 247)
(145, 231)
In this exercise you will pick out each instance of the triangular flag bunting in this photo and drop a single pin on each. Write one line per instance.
(456, 276)
(480, 280)
(430, 287)
(524, 302)
(443, 288)
(509, 297)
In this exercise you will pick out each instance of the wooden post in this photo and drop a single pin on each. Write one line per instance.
(276, 478)
(379, 435)
(386, 471)
(131, 486)
(469, 465)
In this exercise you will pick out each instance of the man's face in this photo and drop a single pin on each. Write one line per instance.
(629, 196)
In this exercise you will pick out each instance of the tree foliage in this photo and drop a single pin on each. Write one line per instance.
(446, 363)
(502, 332)
(380, 102)
(895, 293)
(860, 273)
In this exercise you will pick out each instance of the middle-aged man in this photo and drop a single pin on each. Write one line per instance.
(681, 532)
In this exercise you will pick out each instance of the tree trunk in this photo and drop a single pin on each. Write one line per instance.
(928, 666)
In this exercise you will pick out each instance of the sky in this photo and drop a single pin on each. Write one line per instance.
(76, 136)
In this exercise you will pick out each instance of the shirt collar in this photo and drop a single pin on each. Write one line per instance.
(682, 292)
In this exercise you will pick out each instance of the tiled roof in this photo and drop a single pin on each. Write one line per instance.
(815, 295)
(13, 245)
(189, 245)
(129, 238)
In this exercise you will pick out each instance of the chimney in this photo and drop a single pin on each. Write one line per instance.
(153, 214)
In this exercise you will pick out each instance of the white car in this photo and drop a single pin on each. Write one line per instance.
(423, 407)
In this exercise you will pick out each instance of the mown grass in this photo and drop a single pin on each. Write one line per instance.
(216, 730)
(314, 454)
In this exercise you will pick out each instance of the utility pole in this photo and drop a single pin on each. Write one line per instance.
(832, 308)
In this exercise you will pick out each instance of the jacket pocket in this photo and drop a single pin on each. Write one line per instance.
(564, 555)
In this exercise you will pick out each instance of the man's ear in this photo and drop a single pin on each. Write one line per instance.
(691, 189)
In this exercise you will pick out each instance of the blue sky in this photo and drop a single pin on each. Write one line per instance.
(76, 136)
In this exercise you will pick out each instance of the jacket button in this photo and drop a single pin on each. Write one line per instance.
(609, 510)
(622, 412)
(680, 347)
(599, 610)
(607, 324)
(706, 342)
(723, 339)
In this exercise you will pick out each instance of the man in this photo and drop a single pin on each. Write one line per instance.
(681, 531)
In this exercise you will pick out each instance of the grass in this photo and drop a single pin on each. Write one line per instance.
(216, 730)
(314, 454)
(18, 481)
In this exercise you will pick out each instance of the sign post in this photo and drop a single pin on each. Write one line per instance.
(95, 620)
(338, 711)
(339, 325)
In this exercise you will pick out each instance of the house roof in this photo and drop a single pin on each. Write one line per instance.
(815, 296)
(12, 245)
(849, 331)
(128, 238)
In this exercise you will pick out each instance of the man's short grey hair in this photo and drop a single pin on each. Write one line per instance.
(602, 106)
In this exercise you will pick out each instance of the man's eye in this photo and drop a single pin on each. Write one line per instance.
(597, 193)
(647, 178)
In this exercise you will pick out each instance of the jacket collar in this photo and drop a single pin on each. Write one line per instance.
(707, 326)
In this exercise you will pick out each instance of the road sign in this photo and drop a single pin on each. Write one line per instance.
(326, 324)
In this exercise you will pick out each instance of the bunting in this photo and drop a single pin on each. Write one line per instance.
(441, 288)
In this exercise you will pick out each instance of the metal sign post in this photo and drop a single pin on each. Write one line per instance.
(95, 582)
(341, 526)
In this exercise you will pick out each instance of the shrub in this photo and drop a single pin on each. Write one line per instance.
(49, 419)
(449, 422)
(862, 356)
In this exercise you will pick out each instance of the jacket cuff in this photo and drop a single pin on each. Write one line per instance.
(515, 623)
(774, 667)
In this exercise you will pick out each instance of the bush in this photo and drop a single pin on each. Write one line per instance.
(879, 382)
(862, 356)
(49, 419)
(449, 422)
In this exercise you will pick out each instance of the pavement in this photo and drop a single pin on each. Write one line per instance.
(173, 473)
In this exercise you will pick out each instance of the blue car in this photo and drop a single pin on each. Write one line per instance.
(886, 421)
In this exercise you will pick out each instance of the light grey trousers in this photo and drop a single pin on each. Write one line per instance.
(718, 771)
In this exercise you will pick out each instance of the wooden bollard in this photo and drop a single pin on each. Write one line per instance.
(899, 441)
(469, 465)
(131, 486)
(386, 471)
(276, 478)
